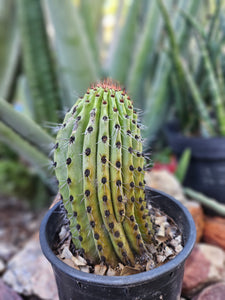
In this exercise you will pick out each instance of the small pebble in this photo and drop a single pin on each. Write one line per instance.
(85, 269)
(111, 272)
(63, 233)
(69, 262)
(66, 253)
(100, 269)
(150, 265)
(2, 266)
(79, 261)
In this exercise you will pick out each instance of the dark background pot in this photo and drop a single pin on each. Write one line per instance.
(206, 172)
(164, 281)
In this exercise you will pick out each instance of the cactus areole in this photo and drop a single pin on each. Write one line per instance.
(99, 166)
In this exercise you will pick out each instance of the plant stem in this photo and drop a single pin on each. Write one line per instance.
(38, 62)
(28, 152)
(205, 120)
(207, 202)
(214, 86)
(175, 54)
(123, 54)
(147, 42)
(25, 127)
(76, 62)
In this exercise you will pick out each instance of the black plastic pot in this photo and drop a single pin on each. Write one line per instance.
(163, 282)
(206, 172)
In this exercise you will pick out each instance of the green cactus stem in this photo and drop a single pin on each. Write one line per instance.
(99, 166)
(210, 203)
(38, 61)
(28, 152)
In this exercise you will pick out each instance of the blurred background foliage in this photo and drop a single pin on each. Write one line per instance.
(169, 55)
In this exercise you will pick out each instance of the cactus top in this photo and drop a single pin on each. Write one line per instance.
(99, 166)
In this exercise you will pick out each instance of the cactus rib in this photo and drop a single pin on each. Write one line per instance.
(115, 228)
(75, 170)
(101, 237)
(60, 158)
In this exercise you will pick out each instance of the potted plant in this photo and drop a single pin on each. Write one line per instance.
(40, 91)
(198, 91)
(99, 165)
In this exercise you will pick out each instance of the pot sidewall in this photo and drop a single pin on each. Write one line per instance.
(212, 148)
(206, 171)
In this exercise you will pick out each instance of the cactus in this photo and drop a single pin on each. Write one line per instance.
(98, 162)
(39, 69)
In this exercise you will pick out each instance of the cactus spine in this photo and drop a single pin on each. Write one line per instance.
(99, 165)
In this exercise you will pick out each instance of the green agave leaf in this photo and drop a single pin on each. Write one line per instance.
(29, 153)
(25, 127)
(123, 53)
(10, 49)
(77, 66)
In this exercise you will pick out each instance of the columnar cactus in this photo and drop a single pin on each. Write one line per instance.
(99, 166)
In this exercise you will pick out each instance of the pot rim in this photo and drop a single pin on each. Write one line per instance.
(208, 148)
(121, 280)
(173, 128)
